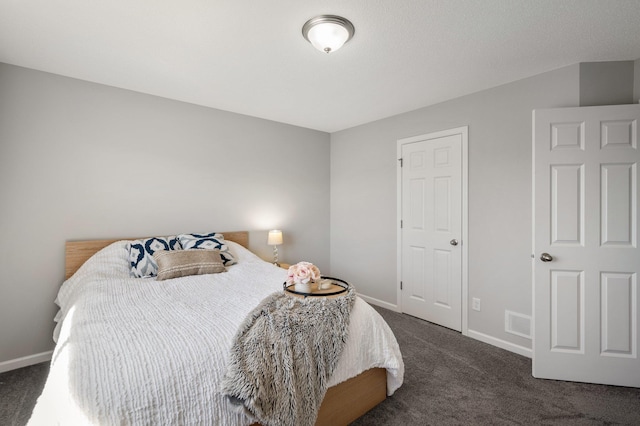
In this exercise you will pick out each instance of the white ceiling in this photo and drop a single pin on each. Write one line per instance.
(249, 57)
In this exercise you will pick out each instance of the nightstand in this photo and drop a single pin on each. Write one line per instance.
(284, 265)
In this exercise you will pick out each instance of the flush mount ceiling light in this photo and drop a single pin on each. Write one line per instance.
(328, 33)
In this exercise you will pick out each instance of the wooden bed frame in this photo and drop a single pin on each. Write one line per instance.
(342, 403)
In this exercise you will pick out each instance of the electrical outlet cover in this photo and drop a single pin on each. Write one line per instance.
(475, 304)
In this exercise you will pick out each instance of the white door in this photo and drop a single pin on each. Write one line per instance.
(431, 227)
(586, 252)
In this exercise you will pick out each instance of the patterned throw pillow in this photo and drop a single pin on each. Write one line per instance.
(141, 254)
(210, 241)
(180, 263)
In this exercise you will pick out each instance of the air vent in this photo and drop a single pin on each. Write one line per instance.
(517, 324)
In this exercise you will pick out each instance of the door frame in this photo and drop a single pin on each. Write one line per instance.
(464, 238)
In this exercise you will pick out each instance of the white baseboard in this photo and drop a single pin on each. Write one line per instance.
(25, 361)
(378, 302)
(502, 344)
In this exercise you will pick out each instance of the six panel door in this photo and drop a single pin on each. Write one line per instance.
(586, 256)
(432, 221)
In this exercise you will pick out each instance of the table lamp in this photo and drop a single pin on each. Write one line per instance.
(275, 239)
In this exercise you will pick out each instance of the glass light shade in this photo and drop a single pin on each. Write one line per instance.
(328, 33)
(275, 237)
(328, 37)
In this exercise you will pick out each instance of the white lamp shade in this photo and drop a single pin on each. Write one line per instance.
(328, 33)
(328, 37)
(275, 237)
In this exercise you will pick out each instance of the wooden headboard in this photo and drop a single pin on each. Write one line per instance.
(77, 252)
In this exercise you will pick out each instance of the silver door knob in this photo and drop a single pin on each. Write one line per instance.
(546, 257)
(453, 242)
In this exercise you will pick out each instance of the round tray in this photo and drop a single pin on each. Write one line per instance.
(338, 286)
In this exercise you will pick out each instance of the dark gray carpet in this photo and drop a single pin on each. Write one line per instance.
(449, 380)
(19, 390)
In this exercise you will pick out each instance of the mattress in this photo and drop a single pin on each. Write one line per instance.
(142, 351)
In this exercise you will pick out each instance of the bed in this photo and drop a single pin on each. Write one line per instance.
(141, 351)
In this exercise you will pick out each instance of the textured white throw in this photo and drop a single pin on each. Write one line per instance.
(134, 351)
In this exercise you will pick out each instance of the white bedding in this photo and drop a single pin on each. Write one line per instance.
(141, 351)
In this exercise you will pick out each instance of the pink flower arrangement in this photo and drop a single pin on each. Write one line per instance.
(303, 273)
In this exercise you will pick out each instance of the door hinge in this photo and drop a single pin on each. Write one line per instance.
(401, 162)
(400, 285)
(401, 224)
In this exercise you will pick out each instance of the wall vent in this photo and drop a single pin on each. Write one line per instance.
(517, 324)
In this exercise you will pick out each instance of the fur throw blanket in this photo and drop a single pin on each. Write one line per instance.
(283, 355)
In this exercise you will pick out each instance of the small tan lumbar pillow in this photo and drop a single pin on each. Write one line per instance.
(180, 263)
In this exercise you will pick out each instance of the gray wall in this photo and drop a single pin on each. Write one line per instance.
(363, 194)
(606, 83)
(80, 160)
(636, 81)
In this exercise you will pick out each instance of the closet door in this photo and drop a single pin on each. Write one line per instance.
(431, 233)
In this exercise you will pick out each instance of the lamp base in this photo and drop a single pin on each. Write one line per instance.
(275, 256)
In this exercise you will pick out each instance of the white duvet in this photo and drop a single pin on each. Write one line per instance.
(133, 351)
